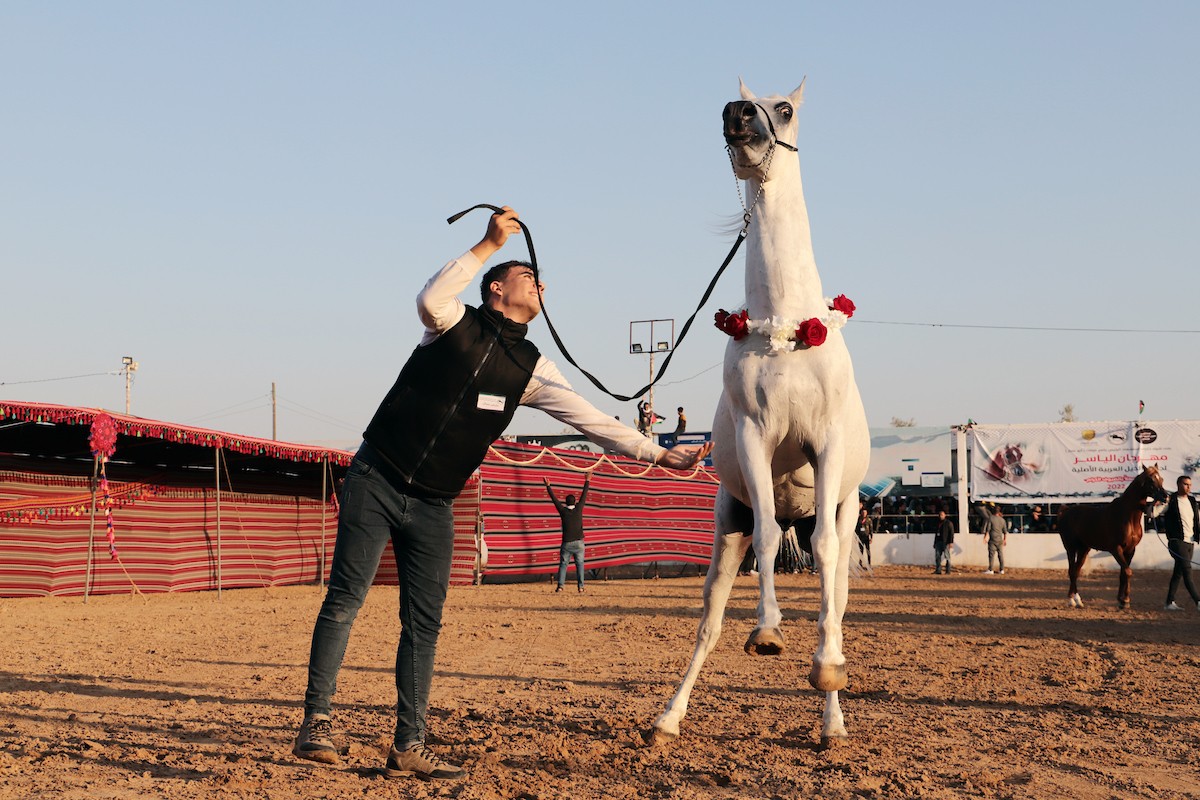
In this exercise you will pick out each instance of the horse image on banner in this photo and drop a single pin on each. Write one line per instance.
(790, 434)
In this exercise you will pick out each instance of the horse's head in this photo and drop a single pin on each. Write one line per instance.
(753, 126)
(1152, 484)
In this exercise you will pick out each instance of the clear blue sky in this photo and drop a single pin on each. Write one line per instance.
(241, 193)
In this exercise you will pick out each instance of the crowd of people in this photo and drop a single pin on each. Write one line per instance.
(903, 514)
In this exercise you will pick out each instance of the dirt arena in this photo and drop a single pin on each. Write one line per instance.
(964, 686)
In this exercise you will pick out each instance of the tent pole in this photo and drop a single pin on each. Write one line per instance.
(87, 580)
(218, 473)
(324, 503)
(960, 463)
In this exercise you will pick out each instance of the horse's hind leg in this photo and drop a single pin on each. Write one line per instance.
(728, 549)
(832, 542)
(1077, 556)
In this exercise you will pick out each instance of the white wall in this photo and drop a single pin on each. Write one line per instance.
(1024, 550)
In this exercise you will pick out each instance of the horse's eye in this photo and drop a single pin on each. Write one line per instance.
(784, 110)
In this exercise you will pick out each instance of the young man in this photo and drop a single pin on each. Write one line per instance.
(1183, 524)
(455, 395)
(997, 537)
(943, 539)
(570, 513)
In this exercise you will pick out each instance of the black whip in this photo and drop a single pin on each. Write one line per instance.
(554, 333)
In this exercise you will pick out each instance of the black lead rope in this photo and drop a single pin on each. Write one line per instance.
(554, 333)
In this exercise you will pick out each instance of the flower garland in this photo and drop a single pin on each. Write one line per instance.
(788, 334)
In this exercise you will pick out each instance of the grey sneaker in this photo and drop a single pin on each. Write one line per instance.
(420, 762)
(1172, 606)
(315, 741)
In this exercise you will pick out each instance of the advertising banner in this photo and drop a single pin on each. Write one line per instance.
(909, 457)
(1077, 461)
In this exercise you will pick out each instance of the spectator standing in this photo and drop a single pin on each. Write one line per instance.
(1182, 520)
(997, 536)
(943, 539)
(864, 530)
(1037, 522)
(570, 511)
(681, 425)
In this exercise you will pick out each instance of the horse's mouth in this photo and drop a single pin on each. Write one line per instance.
(739, 139)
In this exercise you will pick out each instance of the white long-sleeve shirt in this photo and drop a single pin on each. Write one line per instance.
(440, 309)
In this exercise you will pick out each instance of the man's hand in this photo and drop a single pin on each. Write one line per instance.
(500, 227)
(685, 456)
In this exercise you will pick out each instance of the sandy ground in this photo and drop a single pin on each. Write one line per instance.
(962, 686)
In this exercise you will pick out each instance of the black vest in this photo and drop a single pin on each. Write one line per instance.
(453, 398)
(1175, 522)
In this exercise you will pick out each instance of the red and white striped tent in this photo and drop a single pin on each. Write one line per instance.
(196, 509)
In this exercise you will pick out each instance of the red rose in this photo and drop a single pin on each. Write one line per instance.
(811, 332)
(844, 304)
(733, 324)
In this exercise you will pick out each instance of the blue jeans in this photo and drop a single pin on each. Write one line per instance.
(568, 551)
(422, 534)
(941, 554)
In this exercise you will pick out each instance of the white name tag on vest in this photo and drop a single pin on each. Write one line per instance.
(490, 402)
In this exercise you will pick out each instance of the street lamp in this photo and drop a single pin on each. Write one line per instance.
(646, 336)
(129, 366)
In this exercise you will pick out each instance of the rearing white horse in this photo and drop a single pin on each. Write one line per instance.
(790, 434)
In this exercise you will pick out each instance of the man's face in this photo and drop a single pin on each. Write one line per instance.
(1185, 486)
(518, 291)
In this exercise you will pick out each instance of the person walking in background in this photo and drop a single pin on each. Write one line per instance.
(864, 530)
(1182, 520)
(570, 512)
(943, 539)
(455, 395)
(997, 536)
(681, 425)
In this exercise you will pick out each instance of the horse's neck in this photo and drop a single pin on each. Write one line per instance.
(1133, 499)
(781, 271)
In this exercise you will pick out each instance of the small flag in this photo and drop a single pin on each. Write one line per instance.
(1141, 407)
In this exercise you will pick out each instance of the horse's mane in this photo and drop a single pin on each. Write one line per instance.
(1144, 477)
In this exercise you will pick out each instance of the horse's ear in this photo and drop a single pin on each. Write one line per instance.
(746, 93)
(797, 97)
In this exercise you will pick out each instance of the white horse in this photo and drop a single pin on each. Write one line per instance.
(790, 434)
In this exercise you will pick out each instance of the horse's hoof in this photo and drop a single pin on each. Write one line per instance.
(656, 737)
(830, 742)
(1123, 605)
(830, 678)
(765, 642)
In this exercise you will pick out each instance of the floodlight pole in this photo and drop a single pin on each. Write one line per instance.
(652, 348)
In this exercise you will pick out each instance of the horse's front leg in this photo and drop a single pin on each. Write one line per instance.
(1125, 560)
(728, 550)
(754, 457)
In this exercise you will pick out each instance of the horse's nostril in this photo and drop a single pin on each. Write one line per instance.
(749, 111)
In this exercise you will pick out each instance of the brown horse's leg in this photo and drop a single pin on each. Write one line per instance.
(1076, 557)
(1125, 559)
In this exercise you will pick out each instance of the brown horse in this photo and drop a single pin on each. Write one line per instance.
(1115, 527)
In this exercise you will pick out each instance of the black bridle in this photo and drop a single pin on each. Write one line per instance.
(558, 339)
